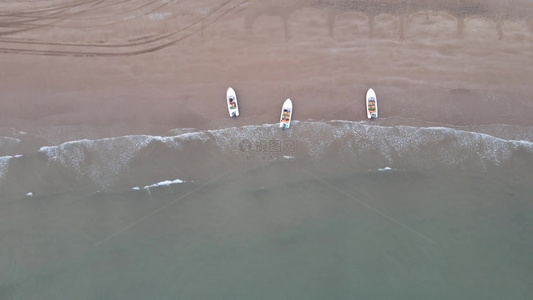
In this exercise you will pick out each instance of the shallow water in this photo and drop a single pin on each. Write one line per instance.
(352, 209)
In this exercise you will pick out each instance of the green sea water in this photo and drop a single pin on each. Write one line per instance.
(273, 232)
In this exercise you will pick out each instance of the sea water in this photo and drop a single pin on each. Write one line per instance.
(325, 210)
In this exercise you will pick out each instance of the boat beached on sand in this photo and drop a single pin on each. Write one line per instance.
(231, 101)
(371, 104)
(286, 114)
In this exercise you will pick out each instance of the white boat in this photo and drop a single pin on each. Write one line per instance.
(286, 114)
(231, 101)
(371, 104)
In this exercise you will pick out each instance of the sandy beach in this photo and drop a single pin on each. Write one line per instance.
(150, 66)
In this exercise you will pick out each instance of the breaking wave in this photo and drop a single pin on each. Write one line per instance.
(140, 160)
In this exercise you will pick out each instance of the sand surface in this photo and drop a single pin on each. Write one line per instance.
(122, 67)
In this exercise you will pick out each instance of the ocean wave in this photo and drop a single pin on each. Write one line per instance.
(102, 159)
(133, 159)
(428, 146)
(356, 137)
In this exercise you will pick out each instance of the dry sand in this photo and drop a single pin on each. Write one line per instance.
(149, 66)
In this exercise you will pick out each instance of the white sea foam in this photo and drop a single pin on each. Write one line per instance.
(178, 131)
(385, 169)
(426, 145)
(359, 138)
(8, 142)
(199, 135)
(30, 194)
(4, 163)
(109, 156)
(103, 159)
(228, 139)
(11, 132)
(164, 183)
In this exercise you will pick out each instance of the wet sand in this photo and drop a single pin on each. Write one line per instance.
(150, 66)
